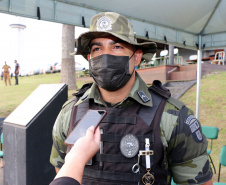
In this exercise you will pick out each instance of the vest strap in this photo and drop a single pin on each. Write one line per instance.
(158, 88)
(82, 108)
(114, 158)
(148, 113)
(119, 119)
(115, 176)
(117, 138)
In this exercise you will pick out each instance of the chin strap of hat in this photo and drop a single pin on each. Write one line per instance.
(132, 54)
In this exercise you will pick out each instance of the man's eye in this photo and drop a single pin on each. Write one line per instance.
(118, 47)
(95, 49)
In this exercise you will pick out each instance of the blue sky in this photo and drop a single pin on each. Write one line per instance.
(41, 42)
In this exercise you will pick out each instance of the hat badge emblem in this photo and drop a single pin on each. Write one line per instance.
(104, 24)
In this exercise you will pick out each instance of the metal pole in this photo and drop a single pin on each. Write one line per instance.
(10, 6)
(55, 4)
(171, 55)
(198, 76)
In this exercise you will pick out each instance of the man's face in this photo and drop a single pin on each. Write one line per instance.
(113, 46)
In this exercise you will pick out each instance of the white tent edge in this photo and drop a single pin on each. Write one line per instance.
(144, 29)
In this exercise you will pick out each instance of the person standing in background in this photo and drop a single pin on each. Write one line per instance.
(6, 73)
(17, 69)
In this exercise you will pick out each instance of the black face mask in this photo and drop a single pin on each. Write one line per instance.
(110, 72)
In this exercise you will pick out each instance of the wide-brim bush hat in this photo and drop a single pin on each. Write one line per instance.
(111, 23)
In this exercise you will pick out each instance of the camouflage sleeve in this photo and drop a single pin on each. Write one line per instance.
(187, 147)
(59, 134)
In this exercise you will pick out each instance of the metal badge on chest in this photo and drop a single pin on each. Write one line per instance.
(129, 146)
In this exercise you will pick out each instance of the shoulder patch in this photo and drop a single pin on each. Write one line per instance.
(177, 103)
(192, 122)
(72, 100)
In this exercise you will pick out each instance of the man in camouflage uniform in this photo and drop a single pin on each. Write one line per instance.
(110, 39)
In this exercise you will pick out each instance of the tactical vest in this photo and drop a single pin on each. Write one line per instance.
(111, 167)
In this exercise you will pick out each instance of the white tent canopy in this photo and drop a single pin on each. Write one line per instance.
(173, 21)
(191, 24)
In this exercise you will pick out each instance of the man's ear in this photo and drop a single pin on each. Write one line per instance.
(138, 56)
(88, 56)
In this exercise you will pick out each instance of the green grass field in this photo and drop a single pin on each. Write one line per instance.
(12, 96)
(212, 103)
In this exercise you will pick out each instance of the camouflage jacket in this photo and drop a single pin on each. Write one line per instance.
(181, 135)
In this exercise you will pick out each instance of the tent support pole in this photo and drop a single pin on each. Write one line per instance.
(198, 76)
(10, 6)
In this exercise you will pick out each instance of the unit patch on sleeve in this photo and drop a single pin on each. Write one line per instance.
(194, 126)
